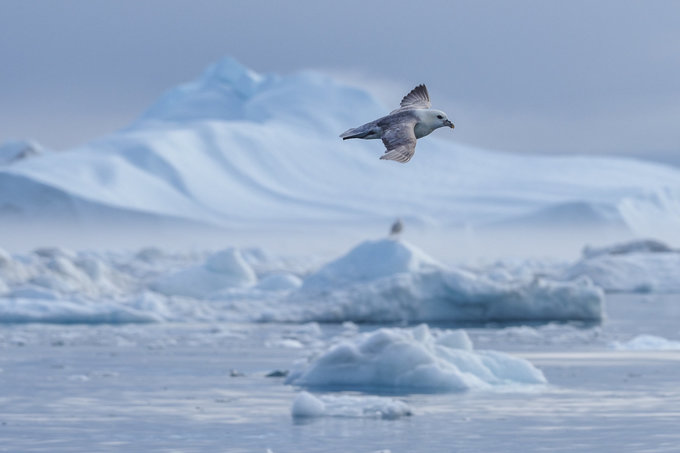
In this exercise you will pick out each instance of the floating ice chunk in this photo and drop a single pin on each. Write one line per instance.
(646, 343)
(446, 295)
(388, 280)
(412, 360)
(222, 270)
(290, 343)
(308, 405)
(631, 273)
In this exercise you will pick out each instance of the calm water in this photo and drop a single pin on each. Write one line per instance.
(170, 388)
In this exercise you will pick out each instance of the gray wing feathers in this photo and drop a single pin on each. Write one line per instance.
(417, 98)
(400, 141)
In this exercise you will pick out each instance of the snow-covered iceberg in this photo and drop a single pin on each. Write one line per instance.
(392, 280)
(371, 260)
(412, 360)
(236, 149)
(644, 266)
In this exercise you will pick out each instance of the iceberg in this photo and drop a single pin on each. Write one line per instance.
(412, 360)
(643, 266)
(372, 260)
(243, 151)
(393, 281)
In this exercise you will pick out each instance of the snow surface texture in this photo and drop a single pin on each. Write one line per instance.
(638, 267)
(308, 405)
(377, 281)
(412, 360)
(236, 149)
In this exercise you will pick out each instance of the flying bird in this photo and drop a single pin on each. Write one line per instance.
(402, 127)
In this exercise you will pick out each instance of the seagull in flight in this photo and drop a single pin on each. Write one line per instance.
(400, 129)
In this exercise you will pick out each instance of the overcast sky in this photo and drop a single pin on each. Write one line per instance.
(527, 76)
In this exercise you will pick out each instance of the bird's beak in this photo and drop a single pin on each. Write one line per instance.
(448, 123)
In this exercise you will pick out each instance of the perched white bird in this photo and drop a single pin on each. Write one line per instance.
(400, 129)
(397, 227)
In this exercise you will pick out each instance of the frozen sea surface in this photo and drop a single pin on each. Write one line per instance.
(204, 387)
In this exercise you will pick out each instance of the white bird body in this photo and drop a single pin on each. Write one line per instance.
(402, 127)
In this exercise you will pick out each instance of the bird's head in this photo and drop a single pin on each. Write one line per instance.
(439, 119)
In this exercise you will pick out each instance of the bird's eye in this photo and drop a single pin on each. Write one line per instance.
(440, 117)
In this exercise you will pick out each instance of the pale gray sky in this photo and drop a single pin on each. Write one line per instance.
(538, 76)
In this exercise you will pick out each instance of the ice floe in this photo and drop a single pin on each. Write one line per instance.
(646, 343)
(412, 360)
(308, 405)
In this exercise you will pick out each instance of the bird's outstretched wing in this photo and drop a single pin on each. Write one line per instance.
(418, 98)
(400, 141)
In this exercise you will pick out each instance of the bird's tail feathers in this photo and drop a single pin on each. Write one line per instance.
(352, 133)
(368, 130)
